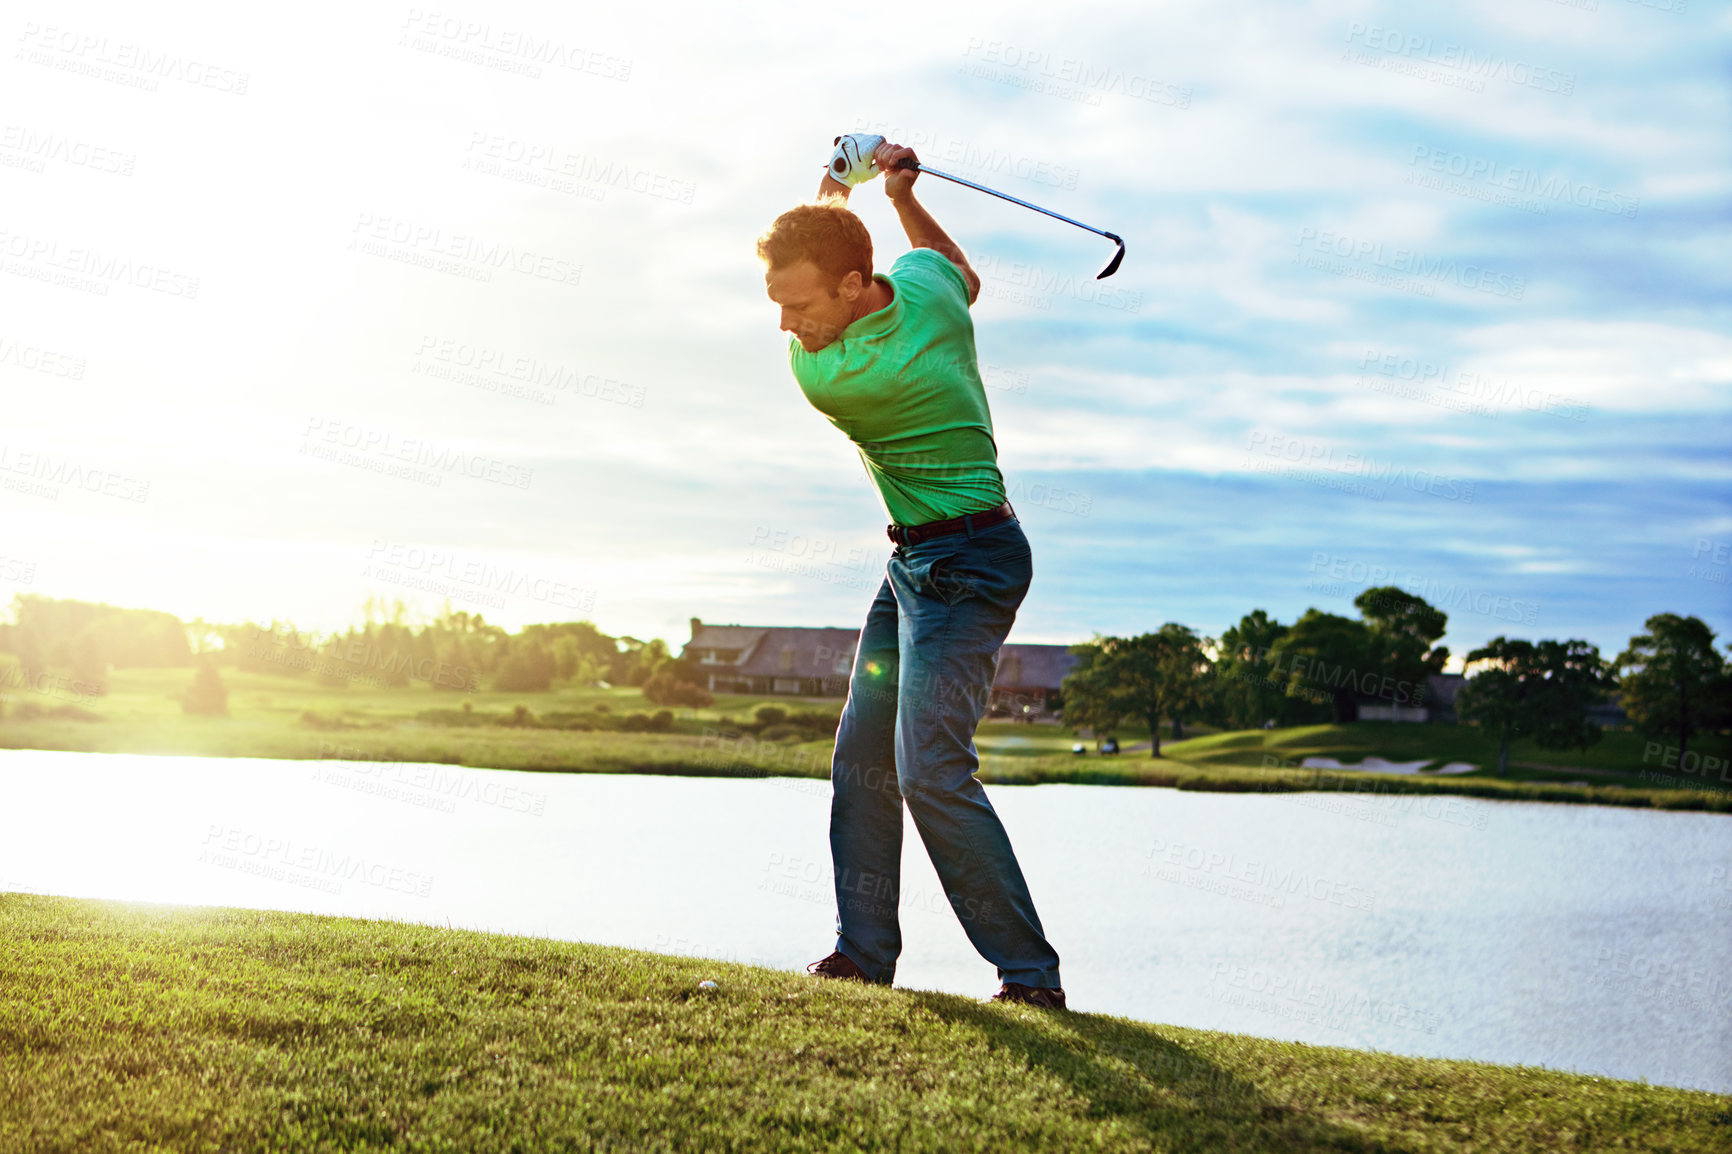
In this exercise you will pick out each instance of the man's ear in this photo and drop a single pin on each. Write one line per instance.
(850, 286)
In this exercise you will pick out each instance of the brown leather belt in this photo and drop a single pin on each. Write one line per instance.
(914, 534)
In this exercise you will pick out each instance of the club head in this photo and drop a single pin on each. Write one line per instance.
(1113, 264)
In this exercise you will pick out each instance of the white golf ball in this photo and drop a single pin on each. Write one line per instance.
(706, 984)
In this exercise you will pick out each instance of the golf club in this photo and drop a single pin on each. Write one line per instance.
(1112, 265)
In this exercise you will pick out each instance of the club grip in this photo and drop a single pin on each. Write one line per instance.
(908, 162)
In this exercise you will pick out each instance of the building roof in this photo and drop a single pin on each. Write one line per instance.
(780, 650)
(726, 636)
(1441, 688)
(1034, 666)
(826, 652)
(801, 652)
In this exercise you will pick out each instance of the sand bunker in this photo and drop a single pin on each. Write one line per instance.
(1378, 765)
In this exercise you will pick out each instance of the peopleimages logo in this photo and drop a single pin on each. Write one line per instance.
(284, 859)
(36, 256)
(441, 570)
(1274, 880)
(55, 471)
(35, 149)
(1031, 284)
(505, 48)
(1525, 181)
(1069, 76)
(1349, 573)
(335, 435)
(556, 163)
(968, 157)
(1472, 386)
(123, 62)
(39, 360)
(1408, 262)
(1459, 57)
(468, 254)
(1301, 452)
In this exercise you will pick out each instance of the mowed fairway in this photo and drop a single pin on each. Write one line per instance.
(154, 1028)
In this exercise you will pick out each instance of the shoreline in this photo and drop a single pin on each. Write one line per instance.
(674, 755)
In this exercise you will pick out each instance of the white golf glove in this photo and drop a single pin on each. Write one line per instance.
(851, 163)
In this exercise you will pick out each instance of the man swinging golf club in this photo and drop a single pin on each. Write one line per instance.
(890, 360)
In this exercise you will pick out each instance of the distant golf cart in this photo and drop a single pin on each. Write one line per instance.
(1110, 745)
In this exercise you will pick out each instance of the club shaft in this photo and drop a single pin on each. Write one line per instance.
(1013, 200)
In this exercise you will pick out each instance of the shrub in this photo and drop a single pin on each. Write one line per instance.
(565, 719)
(664, 689)
(459, 717)
(207, 696)
(782, 733)
(30, 711)
(769, 715)
(661, 722)
(819, 723)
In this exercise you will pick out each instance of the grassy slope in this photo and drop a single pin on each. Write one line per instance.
(1612, 772)
(143, 715)
(142, 1027)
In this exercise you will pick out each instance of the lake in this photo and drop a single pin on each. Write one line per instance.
(1577, 937)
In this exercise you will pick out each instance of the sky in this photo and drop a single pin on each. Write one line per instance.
(307, 306)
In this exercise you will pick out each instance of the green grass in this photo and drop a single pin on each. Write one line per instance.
(127, 1027)
(1612, 773)
(142, 714)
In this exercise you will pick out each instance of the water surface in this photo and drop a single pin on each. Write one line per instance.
(1576, 937)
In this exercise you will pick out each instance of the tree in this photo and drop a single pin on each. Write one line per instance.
(529, 669)
(582, 654)
(1246, 695)
(1326, 656)
(1541, 691)
(1185, 670)
(639, 660)
(1157, 673)
(1402, 633)
(1496, 698)
(278, 648)
(207, 696)
(1576, 678)
(448, 659)
(127, 638)
(89, 665)
(1674, 680)
(1090, 699)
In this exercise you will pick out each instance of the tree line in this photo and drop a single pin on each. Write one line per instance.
(82, 642)
(1671, 681)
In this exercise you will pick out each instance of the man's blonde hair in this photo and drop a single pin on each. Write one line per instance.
(827, 233)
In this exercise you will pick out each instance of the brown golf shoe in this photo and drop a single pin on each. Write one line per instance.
(838, 965)
(1051, 999)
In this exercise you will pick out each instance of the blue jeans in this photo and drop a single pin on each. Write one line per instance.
(920, 685)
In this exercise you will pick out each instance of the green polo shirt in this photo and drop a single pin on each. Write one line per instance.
(904, 385)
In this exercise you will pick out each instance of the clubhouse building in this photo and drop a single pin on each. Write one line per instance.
(805, 662)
